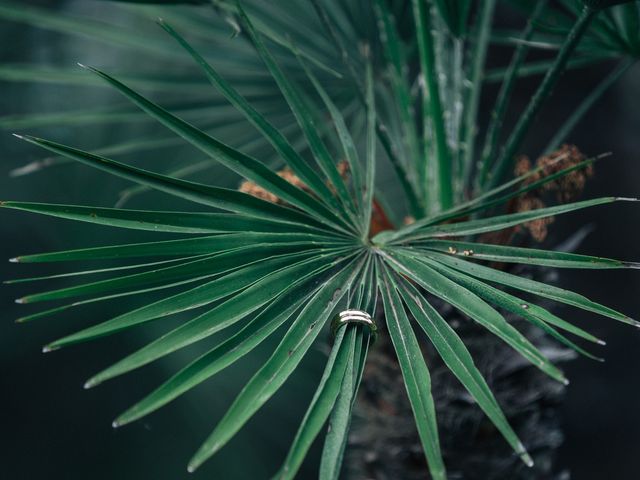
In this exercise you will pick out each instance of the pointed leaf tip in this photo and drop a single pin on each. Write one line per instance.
(48, 348)
(17, 135)
(628, 199)
(92, 382)
(81, 65)
(524, 455)
(14, 259)
(601, 342)
(120, 421)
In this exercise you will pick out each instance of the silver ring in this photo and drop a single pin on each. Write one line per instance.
(354, 316)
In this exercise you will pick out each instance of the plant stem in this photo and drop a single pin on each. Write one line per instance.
(586, 105)
(412, 198)
(479, 53)
(504, 96)
(432, 108)
(414, 203)
(397, 69)
(544, 90)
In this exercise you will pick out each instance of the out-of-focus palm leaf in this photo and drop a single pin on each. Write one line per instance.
(318, 91)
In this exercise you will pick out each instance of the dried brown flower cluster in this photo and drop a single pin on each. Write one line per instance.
(565, 188)
(379, 220)
(257, 191)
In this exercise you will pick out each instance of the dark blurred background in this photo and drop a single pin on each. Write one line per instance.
(54, 428)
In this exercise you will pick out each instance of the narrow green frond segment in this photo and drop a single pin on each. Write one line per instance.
(472, 102)
(467, 302)
(455, 14)
(370, 172)
(98, 271)
(532, 286)
(346, 140)
(199, 268)
(489, 199)
(500, 222)
(458, 359)
(414, 372)
(184, 247)
(225, 199)
(527, 256)
(120, 115)
(340, 419)
(172, 222)
(86, 27)
(279, 142)
(276, 36)
(432, 113)
(227, 313)
(541, 67)
(486, 201)
(341, 356)
(159, 221)
(588, 102)
(501, 104)
(387, 142)
(226, 353)
(279, 366)
(532, 313)
(303, 115)
(196, 297)
(70, 76)
(398, 72)
(101, 298)
(514, 142)
(248, 167)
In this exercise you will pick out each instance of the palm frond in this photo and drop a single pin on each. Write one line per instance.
(323, 244)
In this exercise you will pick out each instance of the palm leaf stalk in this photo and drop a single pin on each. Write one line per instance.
(506, 89)
(505, 159)
(587, 103)
(610, 18)
(438, 174)
(318, 250)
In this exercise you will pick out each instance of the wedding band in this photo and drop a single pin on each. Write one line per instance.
(353, 316)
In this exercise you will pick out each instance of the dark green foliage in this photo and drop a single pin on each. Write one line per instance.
(319, 248)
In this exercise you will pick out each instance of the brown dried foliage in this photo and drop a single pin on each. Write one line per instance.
(379, 220)
(565, 189)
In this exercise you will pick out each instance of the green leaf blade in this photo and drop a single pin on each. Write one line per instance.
(472, 305)
(341, 356)
(416, 375)
(279, 366)
(528, 256)
(459, 360)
